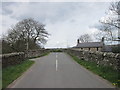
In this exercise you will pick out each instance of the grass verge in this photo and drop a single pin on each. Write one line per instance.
(105, 72)
(11, 73)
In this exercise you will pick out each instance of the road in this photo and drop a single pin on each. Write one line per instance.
(58, 70)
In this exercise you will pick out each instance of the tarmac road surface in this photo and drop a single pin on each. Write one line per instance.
(58, 70)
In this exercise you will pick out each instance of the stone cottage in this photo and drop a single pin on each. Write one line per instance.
(92, 46)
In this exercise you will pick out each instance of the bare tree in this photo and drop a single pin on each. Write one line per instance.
(105, 31)
(85, 38)
(113, 19)
(26, 32)
(110, 24)
(113, 15)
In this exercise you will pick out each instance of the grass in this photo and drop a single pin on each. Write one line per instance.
(11, 73)
(105, 72)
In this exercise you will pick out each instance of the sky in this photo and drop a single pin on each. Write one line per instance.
(65, 21)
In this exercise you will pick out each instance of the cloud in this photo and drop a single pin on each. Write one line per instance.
(64, 21)
(7, 22)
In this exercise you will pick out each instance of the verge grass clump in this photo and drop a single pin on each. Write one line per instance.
(11, 73)
(105, 72)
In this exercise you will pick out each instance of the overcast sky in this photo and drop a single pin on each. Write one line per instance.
(65, 21)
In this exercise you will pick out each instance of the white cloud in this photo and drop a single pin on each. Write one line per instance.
(7, 22)
(64, 21)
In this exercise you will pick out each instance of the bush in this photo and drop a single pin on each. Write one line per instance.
(56, 50)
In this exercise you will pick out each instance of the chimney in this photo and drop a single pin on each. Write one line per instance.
(102, 39)
(78, 41)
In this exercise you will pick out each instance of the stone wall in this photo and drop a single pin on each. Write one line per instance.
(101, 58)
(17, 58)
(35, 53)
(12, 59)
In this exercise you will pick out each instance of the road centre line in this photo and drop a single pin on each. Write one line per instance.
(56, 63)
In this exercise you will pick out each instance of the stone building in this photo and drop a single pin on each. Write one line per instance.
(92, 46)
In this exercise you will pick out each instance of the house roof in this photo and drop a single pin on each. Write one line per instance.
(89, 45)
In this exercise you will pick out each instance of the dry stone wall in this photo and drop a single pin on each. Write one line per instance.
(17, 58)
(35, 53)
(101, 58)
(12, 59)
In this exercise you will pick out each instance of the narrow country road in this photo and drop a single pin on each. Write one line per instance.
(58, 70)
